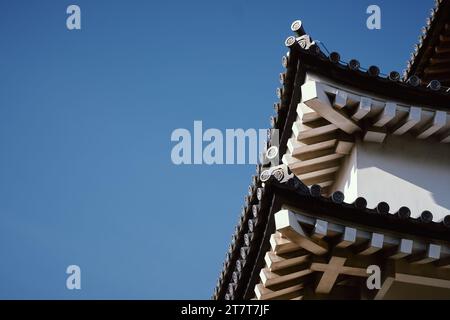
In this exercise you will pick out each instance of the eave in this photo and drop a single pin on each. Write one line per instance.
(431, 56)
(343, 103)
(375, 85)
(233, 282)
(251, 240)
(313, 235)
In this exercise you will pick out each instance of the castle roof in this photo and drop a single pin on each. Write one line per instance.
(328, 102)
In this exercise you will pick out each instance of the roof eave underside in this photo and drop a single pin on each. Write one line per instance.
(377, 86)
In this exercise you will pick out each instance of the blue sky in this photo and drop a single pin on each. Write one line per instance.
(86, 117)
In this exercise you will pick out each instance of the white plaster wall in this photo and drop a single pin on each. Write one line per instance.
(401, 171)
(346, 179)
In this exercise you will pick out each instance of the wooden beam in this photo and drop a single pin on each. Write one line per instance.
(442, 50)
(320, 230)
(325, 184)
(301, 132)
(439, 121)
(412, 119)
(375, 135)
(443, 263)
(286, 223)
(422, 274)
(434, 61)
(386, 115)
(330, 274)
(332, 270)
(263, 293)
(436, 70)
(348, 238)
(281, 245)
(299, 149)
(340, 100)
(269, 278)
(424, 281)
(344, 147)
(375, 244)
(432, 253)
(315, 177)
(306, 114)
(315, 164)
(385, 287)
(277, 261)
(288, 160)
(402, 250)
(364, 107)
(315, 97)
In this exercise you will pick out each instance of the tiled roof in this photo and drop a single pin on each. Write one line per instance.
(314, 235)
(254, 214)
(431, 56)
(431, 92)
(358, 212)
(241, 268)
(245, 256)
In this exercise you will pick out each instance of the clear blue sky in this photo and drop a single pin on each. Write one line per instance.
(86, 117)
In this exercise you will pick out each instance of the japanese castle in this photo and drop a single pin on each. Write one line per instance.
(362, 180)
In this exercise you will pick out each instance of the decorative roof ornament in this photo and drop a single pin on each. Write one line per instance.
(280, 173)
(290, 41)
(354, 65)
(272, 152)
(297, 27)
(373, 71)
(426, 216)
(404, 213)
(394, 76)
(413, 81)
(335, 57)
(337, 197)
(305, 42)
(285, 60)
(434, 85)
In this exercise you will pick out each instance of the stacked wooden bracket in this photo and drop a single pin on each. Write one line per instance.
(316, 258)
(330, 119)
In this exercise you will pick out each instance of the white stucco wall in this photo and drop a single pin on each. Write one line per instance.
(346, 179)
(402, 171)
